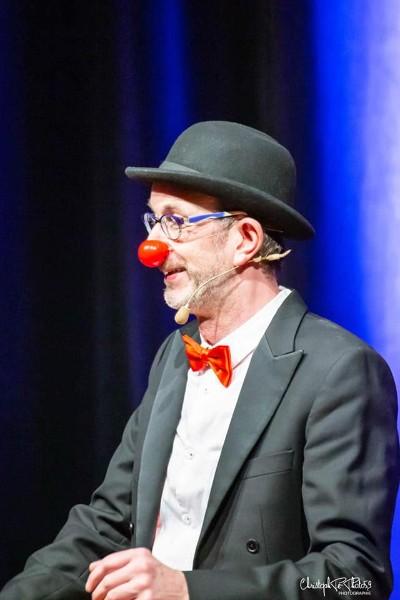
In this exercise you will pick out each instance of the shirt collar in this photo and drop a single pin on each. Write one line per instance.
(243, 340)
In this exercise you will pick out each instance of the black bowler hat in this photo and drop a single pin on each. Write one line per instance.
(245, 168)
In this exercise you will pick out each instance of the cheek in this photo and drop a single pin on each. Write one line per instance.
(202, 263)
(210, 255)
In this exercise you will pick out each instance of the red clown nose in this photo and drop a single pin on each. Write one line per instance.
(152, 253)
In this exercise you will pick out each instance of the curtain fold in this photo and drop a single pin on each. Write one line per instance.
(89, 88)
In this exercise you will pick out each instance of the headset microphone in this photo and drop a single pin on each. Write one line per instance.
(183, 313)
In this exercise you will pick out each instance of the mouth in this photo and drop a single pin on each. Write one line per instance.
(173, 274)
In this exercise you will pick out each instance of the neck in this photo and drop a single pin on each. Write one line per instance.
(239, 302)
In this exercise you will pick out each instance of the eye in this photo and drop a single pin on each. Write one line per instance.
(176, 219)
(171, 225)
(172, 221)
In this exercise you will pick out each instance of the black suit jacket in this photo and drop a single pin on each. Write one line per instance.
(305, 486)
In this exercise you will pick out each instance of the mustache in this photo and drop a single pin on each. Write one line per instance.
(172, 266)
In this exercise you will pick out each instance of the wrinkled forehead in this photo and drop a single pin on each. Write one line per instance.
(165, 198)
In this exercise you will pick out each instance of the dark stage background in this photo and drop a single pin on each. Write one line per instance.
(87, 89)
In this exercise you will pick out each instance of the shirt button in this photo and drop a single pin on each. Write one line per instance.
(187, 519)
(252, 546)
(190, 454)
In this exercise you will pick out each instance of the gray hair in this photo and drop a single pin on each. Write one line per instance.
(270, 245)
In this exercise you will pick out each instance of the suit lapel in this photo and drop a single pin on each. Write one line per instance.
(271, 369)
(158, 441)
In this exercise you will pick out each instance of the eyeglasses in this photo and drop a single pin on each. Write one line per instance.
(172, 225)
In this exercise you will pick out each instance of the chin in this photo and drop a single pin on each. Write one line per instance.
(175, 299)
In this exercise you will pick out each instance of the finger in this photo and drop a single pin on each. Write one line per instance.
(115, 559)
(125, 591)
(113, 580)
(101, 568)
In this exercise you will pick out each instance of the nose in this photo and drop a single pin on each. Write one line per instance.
(153, 253)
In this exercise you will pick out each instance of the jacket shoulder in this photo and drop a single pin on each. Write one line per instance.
(330, 342)
(317, 329)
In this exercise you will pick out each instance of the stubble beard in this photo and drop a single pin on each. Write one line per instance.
(207, 296)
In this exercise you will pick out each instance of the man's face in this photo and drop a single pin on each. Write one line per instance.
(200, 252)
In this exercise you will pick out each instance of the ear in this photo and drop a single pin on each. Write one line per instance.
(250, 236)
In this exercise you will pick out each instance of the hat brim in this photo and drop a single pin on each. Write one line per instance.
(271, 212)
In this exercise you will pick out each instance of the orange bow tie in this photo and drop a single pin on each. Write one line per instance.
(218, 358)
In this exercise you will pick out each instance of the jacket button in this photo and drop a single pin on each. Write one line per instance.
(252, 546)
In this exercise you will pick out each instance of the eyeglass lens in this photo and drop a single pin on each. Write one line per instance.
(171, 226)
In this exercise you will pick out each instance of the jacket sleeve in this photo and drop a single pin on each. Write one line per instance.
(350, 479)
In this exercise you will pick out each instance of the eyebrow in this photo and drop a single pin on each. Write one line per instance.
(168, 209)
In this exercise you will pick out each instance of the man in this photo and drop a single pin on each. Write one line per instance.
(266, 467)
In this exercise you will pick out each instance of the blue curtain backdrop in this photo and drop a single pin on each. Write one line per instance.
(88, 88)
(357, 271)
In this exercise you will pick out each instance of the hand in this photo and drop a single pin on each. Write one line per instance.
(135, 574)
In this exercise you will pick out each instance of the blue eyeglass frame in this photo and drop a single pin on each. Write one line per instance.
(150, 220)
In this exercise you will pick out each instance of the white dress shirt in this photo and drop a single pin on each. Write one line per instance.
(206, 414)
